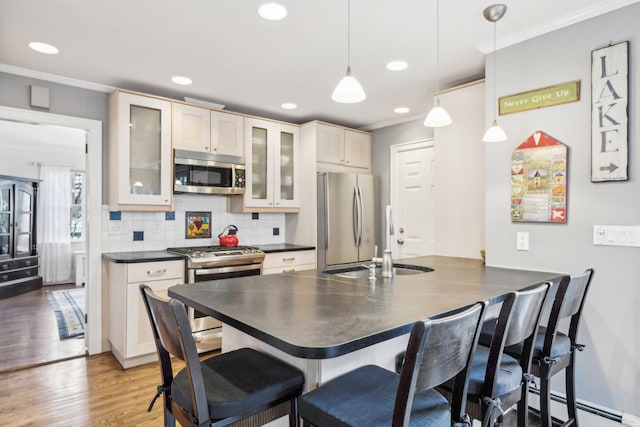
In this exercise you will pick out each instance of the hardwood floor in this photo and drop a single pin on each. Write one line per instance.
(87, 391)
(29, 333)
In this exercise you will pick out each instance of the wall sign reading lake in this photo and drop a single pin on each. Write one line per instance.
(609, 115)
(539, 98)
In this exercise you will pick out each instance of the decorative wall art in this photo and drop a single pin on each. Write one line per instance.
(539, 98)
(198, 225)
(539, 180)
(609, 115)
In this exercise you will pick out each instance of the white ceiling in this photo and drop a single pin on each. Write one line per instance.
(252, 65)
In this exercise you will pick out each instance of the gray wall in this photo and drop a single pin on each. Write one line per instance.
(15, 91)
(609, 368)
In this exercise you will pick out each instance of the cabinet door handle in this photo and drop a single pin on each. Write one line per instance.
(5, 266)
(156, 272)
(289, 259)
(288, 270)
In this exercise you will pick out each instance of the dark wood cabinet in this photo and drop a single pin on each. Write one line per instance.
(19, 261)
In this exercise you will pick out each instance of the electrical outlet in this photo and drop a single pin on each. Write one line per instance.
(522, 241)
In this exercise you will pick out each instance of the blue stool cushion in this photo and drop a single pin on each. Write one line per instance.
(561, 345)
(366, 397)
(509, 376)
(239, 381)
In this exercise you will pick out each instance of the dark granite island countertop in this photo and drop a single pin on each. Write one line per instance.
(314, 315)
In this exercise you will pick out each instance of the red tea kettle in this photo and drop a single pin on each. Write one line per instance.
(229, 239)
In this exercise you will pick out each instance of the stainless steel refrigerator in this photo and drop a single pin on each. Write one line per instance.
(348, 226)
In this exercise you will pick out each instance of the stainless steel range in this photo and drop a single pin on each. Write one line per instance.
(215, 263)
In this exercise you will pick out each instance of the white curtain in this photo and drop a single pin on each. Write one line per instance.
(54, 229)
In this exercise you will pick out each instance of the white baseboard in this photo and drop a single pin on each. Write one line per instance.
(589, 414)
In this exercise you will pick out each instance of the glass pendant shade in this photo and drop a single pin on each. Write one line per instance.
(349, 90)
(494, 133)
(438, 116)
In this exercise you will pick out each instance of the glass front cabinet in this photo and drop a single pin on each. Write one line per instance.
(18, 248)
(140, 156)
(272, 153)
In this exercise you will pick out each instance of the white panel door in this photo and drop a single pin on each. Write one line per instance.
(412, 189)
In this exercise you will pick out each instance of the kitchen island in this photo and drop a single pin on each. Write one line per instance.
(328, 324)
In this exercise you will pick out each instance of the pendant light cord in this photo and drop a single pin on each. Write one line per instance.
(495, 70)
(349, 33)
(437, 47)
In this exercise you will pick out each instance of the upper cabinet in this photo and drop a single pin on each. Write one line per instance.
(210, 131)
(140, 156)
(272, 152)
(344, 149)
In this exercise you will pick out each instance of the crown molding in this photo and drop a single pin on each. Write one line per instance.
(25, 72)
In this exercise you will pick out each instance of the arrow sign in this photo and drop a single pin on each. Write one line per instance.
(610, 168)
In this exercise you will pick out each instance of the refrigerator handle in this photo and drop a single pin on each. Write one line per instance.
(360, 215)
(355, 216)
(326, 210)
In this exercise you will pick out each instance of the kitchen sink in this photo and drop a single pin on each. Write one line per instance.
(362, 271)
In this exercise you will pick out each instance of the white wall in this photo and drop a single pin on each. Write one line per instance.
(459, 174)
(609, 368)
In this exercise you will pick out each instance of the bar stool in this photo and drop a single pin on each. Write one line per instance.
(438, 349)
(554, 350)
(498, 381)
(223, 389)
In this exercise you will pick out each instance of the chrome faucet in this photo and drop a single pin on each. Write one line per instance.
(387, 260)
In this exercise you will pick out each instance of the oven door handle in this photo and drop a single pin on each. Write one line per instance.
(230, 269)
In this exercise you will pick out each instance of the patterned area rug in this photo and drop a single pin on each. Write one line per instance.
(68, 305)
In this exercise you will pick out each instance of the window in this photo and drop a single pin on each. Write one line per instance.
(77, 201)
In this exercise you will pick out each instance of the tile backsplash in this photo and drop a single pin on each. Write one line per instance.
(143, 231)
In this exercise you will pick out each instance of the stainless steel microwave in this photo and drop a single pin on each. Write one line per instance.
(205, 173)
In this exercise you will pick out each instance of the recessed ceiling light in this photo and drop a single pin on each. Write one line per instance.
(181, 80)
(289, 106)
(44, 48)
(401, 110)
(397, 65)
(272, 11)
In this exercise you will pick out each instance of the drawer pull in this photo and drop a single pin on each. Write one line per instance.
(4, 277)
(156, 272)
(289, 270)
(289, 259)
(5, 266)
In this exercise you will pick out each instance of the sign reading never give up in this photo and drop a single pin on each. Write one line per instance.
(539, 98)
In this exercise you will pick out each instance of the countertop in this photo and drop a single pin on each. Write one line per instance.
(140, 256)
(284, 247)
(314, 315)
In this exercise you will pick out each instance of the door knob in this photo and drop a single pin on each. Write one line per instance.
(400, 241)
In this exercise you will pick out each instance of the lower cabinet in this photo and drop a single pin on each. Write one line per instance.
(130, 331)
(286, 262)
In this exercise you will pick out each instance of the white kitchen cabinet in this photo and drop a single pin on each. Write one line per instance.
(130, 331)
(272, 152)
(227, 133)
(339, 147)
(210, 131)
(140, 156)
(288, 261)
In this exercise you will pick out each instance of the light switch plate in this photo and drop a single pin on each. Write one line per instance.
(522, 241)
(616, 235)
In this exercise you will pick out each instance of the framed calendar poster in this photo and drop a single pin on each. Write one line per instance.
(539, 180)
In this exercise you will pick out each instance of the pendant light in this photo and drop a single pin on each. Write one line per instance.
(493, 14)
(438, 116)
(349, 90)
